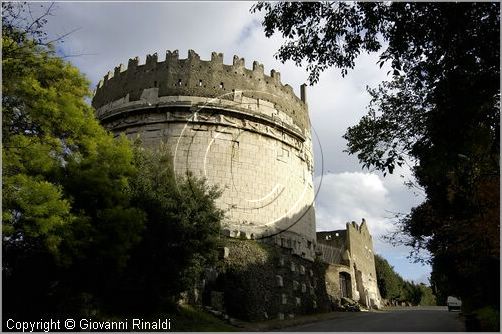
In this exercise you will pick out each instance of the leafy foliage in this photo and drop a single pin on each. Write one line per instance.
(64, 177)
(85, 214)
(181, 234)
(51, 141)
(439, 113)
(394, 288)
(18, 23)
(389, 282)
(323, 34)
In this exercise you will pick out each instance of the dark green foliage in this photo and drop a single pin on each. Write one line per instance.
(64, 181)
(193, 319)
(86, 218)
(439, 113)
(394, 288)
(487, 319)
(249, 280)
(427, 296)
(389, 282)
(323, 34)
(180, 237)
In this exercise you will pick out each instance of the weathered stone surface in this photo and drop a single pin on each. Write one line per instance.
(280, 283)
(348, 304)
(351, 262)
(284, 299)
(224, 252)
(196, 77)
(239, 128)
(302, 270)
(217, 300)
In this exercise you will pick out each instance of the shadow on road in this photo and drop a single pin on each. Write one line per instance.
(396, 319)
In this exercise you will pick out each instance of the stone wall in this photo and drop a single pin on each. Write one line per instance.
(336, 239)
(240, 129)
(195, 77)
(350, 252)
(260, 282)
(332, 281)
(360, 245)
(331, 254)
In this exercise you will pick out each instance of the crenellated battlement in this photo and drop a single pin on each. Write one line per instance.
(204, 78)
(238, 127)
(359, 229)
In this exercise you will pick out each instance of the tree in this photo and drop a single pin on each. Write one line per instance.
(394, 288)
(180, 238)
(64, 178)
(388, 281)
(428, 298)
(439, 113)
(19, 24)
(87, 216)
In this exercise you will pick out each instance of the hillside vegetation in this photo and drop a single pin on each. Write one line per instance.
(396, 289)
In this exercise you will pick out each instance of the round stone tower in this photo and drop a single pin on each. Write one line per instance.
(239, 128)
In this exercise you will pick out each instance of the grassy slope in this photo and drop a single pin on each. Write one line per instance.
(192, 319)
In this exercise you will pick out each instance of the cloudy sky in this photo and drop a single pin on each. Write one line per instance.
(107, 34)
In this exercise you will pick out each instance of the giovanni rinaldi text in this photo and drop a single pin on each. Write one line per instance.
(87, 324)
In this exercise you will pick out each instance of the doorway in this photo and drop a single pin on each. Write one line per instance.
(345, 285)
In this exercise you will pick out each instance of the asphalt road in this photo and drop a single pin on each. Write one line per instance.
(423, 319)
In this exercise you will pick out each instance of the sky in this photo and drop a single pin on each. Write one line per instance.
(105, 34)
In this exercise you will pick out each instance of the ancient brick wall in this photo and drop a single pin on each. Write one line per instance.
(360, 245)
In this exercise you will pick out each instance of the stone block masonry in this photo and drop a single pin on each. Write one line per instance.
(351, 272)
(255, 283)
(241, 129)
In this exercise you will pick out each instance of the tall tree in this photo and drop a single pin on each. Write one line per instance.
(87, 217)
(180, 238)
(394, 288)
(64, 176)
(389, 282)
(439, 113)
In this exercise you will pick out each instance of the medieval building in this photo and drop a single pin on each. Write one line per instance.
(249, 134)
(351, 272)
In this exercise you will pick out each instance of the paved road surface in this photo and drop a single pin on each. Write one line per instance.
(436, 319)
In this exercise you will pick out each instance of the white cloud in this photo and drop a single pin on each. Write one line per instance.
(351, 196)
(113, 32)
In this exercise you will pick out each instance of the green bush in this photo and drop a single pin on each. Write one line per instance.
(489, 319)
